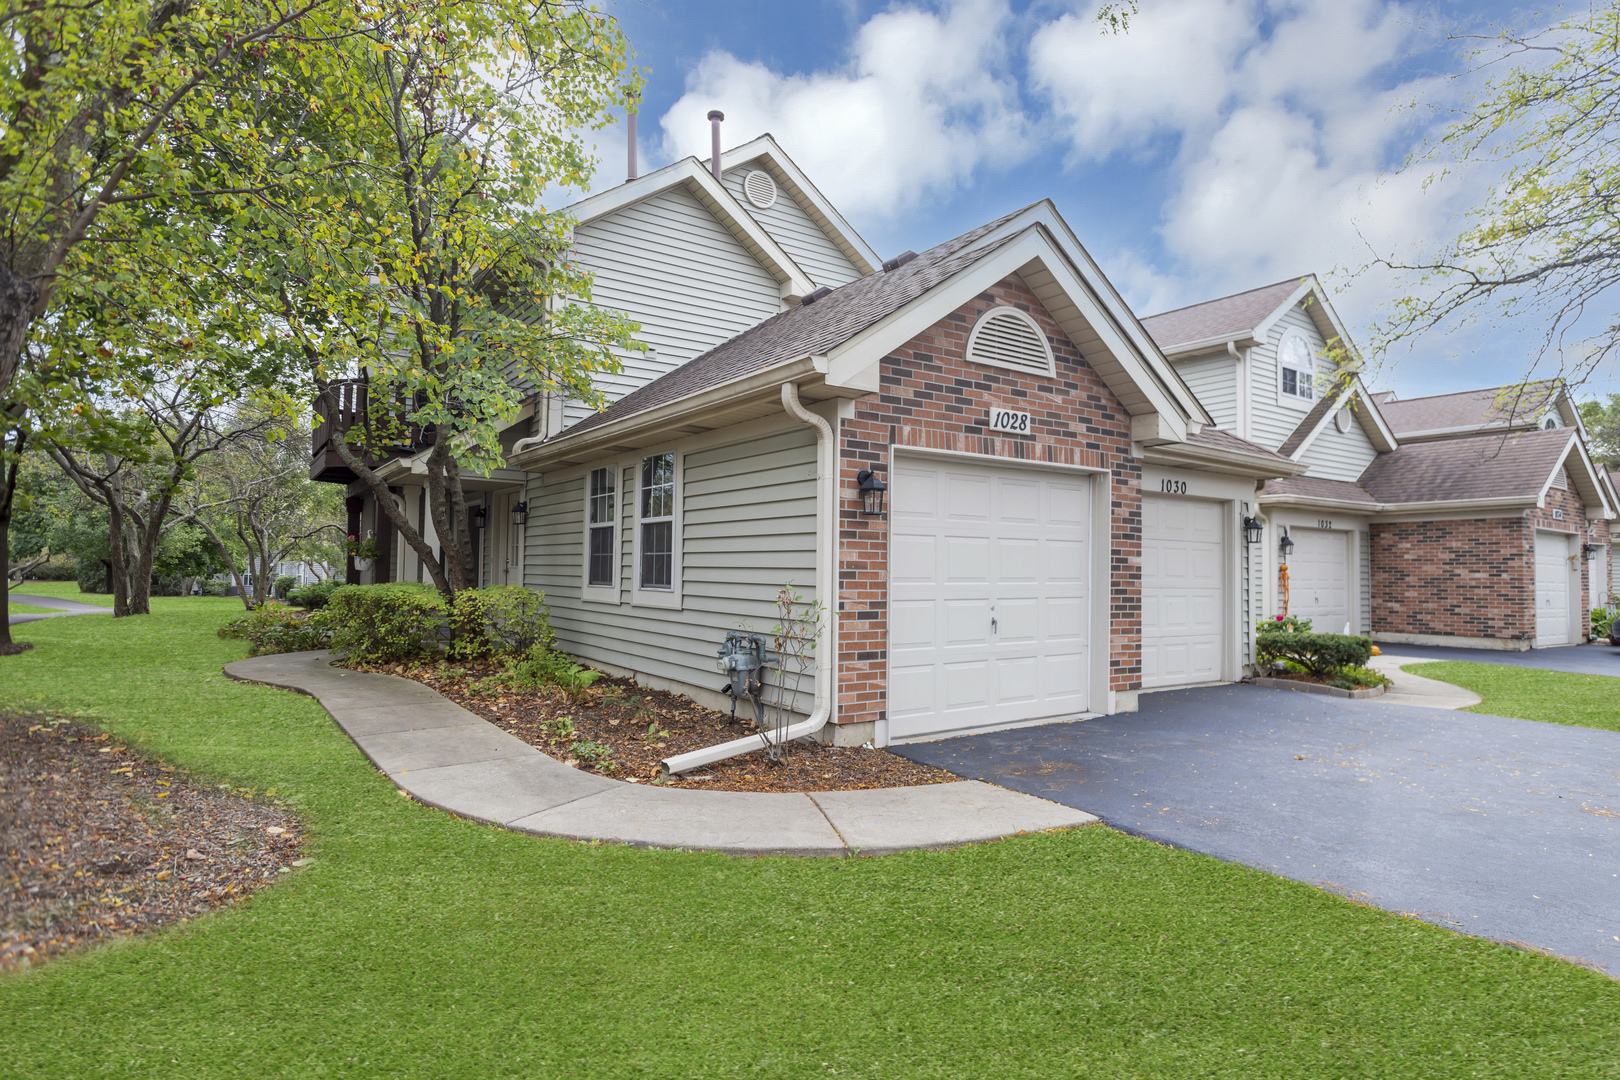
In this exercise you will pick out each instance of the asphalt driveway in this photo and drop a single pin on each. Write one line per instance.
(1598, 658)
(1507, 829)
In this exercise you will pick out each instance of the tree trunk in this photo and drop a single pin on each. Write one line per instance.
(8, 493)
(16, 315)
(117, 577)
(448, 506)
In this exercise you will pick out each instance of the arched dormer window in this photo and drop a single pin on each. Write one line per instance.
(1296, 368)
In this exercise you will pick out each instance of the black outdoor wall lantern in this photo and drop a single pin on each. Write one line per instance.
(1252, 528)
(1286, 545)
(1589, 550)
(872, 490)
(479, 516)
(520, 513)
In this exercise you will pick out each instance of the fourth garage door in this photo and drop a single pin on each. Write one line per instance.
(1183, 591)
(989, 569)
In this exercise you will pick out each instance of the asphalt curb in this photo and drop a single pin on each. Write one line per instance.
(455, 761)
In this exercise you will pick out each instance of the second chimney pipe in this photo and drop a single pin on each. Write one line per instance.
(630, 125)
(715, 116)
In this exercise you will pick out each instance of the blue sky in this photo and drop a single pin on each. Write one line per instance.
(1220, 145)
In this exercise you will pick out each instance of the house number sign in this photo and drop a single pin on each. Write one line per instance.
(1008, 420)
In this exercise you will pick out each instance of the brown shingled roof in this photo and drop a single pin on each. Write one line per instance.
(1507, 466)
(807, 330)
(1325, 404)
(1495, 406)
(1225, 440)
(1313, 487)
(1227, 316)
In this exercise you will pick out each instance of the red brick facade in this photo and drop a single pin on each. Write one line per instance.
(1471, 578)
(931, 397)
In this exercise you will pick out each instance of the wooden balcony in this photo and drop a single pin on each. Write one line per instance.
(387, 434)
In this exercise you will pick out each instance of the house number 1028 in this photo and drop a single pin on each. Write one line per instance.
(1008, 420)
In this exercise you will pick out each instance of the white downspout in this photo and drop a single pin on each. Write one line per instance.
(826, 592)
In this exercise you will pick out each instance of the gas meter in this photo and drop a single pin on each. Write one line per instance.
(742, 660)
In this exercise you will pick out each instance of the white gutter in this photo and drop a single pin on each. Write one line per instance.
(826, 591)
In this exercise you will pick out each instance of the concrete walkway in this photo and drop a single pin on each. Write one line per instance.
(64, 607)
(449, 758)
(1409, 689)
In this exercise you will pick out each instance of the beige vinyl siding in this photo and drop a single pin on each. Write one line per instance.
(1364, 564)
(1336, 455)
(668, 264)
(1213, 380)
(1271, 422)
(793, 229)
(747, 517)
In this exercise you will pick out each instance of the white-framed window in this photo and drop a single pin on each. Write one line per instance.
(601, 539)
(1296, 370)
(658, 530)
(1551, 423)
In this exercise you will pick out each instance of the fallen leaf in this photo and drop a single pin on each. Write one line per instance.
(164, 875)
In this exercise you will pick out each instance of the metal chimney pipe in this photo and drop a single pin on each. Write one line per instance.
(630, 127)
(715, 116)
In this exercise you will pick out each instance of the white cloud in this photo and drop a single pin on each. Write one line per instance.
(922, 103)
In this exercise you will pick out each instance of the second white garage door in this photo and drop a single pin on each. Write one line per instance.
(1319, 578)
(1552, 588)
(1183, 591)
(989, 573)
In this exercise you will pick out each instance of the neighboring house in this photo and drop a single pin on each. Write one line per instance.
(1471, 519)
(1064, 520)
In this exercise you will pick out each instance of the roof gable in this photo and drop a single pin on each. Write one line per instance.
(1245, 317)
(1511, 467)
(792, 180)
(1347, 391)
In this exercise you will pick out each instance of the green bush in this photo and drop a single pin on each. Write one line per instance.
(1283, 624)
(1319, 654)
(1602, 620)
(277, 629)
(386, 623)
(507, 620)
(543, 666)
(92, 576)
(57, 568)
(215, 588)
(1360, 677)
(313, 596)
(283, 584)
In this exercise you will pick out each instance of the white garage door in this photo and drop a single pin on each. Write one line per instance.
(1319, 578)
(989, 569)
(1552, 588)
(1183, 591)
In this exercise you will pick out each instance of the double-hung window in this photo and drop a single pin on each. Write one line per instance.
(657, 524)
(601, 529)
(1297, 363)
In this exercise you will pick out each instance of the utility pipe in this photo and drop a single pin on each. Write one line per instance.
(826, 590)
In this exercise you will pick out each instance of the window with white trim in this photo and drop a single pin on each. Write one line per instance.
(1296, 365)
(655, 563)
(601, 528)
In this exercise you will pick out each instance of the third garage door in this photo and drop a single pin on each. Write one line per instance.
(1552, 588)
(1183, 591)
(1319, 579)
(989, 572)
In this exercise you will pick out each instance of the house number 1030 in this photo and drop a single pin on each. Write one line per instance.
(1173, 487)
(1008, 420)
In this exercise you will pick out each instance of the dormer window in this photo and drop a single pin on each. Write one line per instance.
(1296, 361)
(1550, 423)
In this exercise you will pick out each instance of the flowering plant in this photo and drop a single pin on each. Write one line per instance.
(361, 549)
(1284, 624)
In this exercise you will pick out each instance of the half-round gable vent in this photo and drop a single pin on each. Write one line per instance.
(1008, 337)
(760, 189)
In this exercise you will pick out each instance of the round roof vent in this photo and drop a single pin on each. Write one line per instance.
(1008, 337)
(760, 189)
(1343, 420)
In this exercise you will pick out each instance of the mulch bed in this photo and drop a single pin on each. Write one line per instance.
(102, 842)
(645, 726)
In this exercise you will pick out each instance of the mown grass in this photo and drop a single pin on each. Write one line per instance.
(419, 945)
(15, 608)
(1556, 697)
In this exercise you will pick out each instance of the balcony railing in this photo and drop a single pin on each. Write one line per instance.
(386, 435)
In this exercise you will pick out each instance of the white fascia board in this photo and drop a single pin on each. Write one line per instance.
(1317, 502)
(1103, 294)
(1321, 312)
(1586, 477)
(1242, 340)
(1205, 458)
(821, 210)
(695, 176)
(848, 361)
(1368, 416)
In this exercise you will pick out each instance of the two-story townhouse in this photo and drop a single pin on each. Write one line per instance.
(1468, 519)
(1011, 505)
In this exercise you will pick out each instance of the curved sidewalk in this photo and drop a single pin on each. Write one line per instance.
(64, 607)
(451, 759)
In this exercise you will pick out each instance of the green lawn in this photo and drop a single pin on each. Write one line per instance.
(418, 945)
(1554, 696)
(63, 590)
(28, 609)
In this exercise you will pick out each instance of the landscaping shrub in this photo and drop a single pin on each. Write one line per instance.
(1602, 620)
(505, 620)
(1322, 655)
(313, 596)
(386, 623)
(283, 584)
(1283, 624)
(1353, 677)
(55, 569)
(277, 629)
(92, 576)
(215, 588)
(544, 666)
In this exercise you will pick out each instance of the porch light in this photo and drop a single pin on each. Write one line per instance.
(520, 513)
(1589, 550)
(872, 490)
(479, 516)
(1252, 528)
(1286, 545)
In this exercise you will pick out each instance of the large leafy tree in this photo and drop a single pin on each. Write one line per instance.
(429, 263)
(1602, 420)
(1542, 246)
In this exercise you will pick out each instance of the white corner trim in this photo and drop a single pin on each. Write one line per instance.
(670, 597)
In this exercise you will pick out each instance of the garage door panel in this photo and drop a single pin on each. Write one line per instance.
(1552, 588)
(1183, 591)
(1001, 536)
